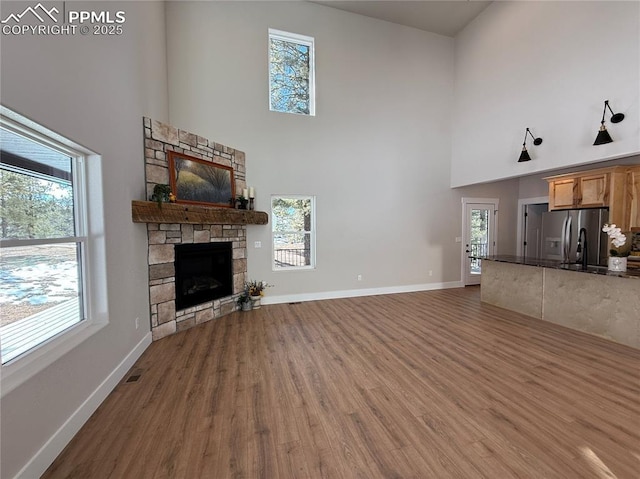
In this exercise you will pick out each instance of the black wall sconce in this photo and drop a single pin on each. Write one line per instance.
(603, 135)
(524, 155)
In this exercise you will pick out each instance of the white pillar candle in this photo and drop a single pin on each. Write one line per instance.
(252, 192)
(245, 193)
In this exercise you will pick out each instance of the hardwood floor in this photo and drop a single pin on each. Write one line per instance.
(420, 385)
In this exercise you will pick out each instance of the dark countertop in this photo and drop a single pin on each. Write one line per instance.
(555, 264)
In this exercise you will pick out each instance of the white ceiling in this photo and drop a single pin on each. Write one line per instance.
(446, 17)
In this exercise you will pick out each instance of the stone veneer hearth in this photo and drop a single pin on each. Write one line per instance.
(160, 138)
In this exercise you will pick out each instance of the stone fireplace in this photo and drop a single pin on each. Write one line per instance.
(176, 225)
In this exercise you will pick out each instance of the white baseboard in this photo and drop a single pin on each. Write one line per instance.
(352, 293)
(56, 443)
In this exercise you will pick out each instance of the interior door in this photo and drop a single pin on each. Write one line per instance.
(478, 238)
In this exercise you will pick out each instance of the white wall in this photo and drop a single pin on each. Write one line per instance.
(376, 155)
(548, 66)
(95, 91)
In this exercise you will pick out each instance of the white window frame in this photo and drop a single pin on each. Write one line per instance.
(302, 40)
(312, 235)
(89, 218)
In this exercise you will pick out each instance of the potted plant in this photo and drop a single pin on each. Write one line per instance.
(620, 248)
(242, 202)
(161, 194)
(256, 291)
(244, 301)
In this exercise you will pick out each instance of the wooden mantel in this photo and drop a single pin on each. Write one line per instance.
(150, 212)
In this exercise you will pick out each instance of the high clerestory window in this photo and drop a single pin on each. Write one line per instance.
(291, 73)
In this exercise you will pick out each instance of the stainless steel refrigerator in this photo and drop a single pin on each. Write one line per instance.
(560, 231)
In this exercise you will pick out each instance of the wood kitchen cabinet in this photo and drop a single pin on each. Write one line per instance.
(562, 194)
(605, 187)
(633, 196)
(593, 190)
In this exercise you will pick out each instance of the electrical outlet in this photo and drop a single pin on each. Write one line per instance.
(458, 239)
(257, 244)
(430, 273)
(137, 323)
(359, 277)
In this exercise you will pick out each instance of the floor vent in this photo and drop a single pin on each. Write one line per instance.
(133, 379)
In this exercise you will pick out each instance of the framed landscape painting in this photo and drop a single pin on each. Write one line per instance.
(199, 182)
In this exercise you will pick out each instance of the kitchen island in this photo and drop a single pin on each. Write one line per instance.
(592, 300)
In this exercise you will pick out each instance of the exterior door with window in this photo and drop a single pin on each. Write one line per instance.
(479, 226)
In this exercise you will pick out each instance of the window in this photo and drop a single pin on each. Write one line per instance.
(42, 239)
(293, 227)
(291, 73)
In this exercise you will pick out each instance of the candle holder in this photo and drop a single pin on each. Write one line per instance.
(251, 207)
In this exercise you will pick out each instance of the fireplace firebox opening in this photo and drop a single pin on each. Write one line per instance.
(204, 272)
